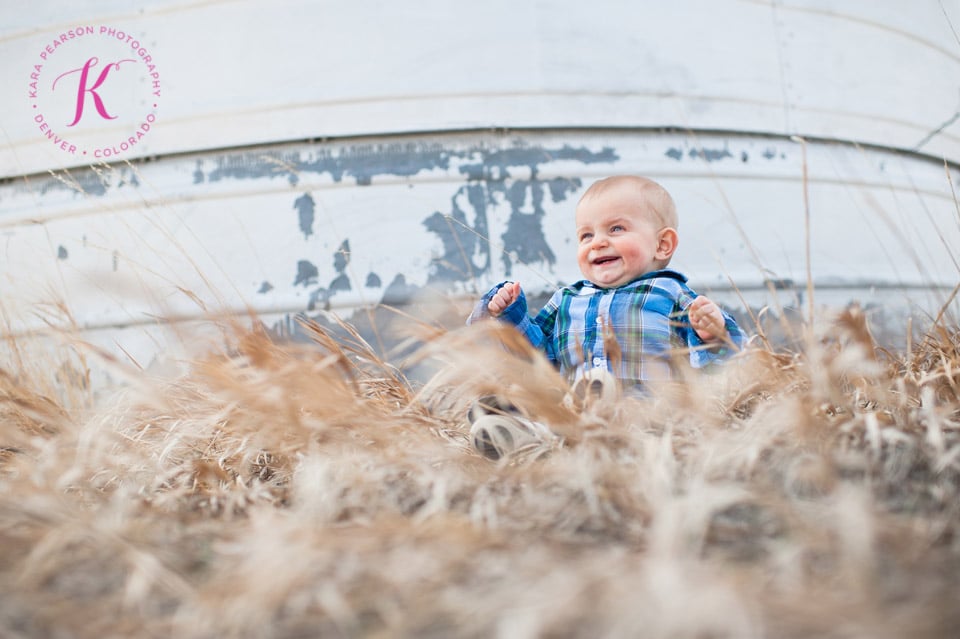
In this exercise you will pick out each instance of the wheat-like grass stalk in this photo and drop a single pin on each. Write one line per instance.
(291, 490)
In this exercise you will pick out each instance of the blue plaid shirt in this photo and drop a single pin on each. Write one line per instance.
(648, 318)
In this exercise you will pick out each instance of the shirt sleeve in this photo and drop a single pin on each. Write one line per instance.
(480, 311)
(515, 314)
(703, 355)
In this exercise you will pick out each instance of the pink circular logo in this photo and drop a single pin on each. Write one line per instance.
(94, 92)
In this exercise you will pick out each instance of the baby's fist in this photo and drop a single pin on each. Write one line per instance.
(503, 298)
(707, 319)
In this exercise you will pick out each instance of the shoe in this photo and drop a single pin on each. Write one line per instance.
(597, 384)
(490, 405)
(496, 436)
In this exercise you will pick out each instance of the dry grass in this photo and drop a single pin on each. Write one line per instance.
(290, 491)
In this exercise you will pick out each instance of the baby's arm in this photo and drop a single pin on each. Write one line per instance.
(506, 296)
(707, 319)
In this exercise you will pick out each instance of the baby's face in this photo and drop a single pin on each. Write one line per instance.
(617, 241)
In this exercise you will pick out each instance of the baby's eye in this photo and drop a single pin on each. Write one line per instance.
(585, 237)
(616, 228)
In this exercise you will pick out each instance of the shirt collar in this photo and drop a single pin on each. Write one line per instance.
(664, 272)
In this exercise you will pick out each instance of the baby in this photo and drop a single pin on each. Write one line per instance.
(626, 235)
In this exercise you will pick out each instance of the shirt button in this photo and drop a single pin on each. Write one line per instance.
(597, 361)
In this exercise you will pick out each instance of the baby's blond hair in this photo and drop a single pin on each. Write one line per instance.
(653, 199)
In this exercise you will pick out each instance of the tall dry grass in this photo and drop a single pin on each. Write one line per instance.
(286, 490)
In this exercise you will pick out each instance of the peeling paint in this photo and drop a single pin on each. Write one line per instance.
(373, 281)
(459, 244)
(265, 287)
(365, 162)
(304, 206)
(495, 164)
(85, 182)
(466, 252)
(399, 292)
(361, 162)
(62, 253)
(524, 240)
(307, 273)
(340, 283)
(342, 257)
(710, 155)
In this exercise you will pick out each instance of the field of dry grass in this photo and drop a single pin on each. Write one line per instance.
(312, 491)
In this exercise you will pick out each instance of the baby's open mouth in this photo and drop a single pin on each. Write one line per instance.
(605, 260)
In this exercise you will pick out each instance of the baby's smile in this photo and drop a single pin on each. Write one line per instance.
(606, 259)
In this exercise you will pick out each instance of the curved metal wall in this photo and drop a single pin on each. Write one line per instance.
(244, 72)
(302, 227)
(317, 155)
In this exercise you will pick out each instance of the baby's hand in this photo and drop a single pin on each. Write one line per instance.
(707, 319)
(506, 296)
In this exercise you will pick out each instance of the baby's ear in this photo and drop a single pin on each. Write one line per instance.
(667, 241)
